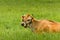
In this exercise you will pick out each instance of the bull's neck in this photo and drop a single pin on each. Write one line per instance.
(34, 23)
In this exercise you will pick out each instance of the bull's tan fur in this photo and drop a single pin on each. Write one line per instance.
(44, 25)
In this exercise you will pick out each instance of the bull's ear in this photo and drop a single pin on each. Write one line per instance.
(22, 16)
(28, 15)
(32, 18)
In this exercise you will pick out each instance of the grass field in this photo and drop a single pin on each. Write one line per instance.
(10, 18)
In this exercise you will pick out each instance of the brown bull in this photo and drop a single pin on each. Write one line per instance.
(40, 25)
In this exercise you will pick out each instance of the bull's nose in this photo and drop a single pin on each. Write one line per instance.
(22, 24)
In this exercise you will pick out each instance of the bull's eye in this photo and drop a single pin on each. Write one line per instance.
(28, 20)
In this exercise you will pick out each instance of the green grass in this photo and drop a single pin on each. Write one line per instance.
(10, 18)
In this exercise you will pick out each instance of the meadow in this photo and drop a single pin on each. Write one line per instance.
(10, 18)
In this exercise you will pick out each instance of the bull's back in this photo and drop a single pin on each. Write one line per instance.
(56, 27)
(49, 26)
